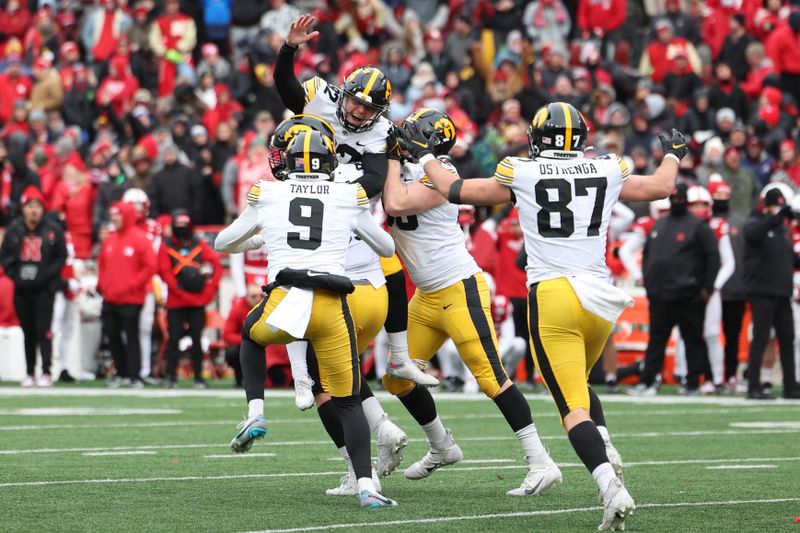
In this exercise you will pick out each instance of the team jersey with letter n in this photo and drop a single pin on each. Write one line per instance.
(307, 224)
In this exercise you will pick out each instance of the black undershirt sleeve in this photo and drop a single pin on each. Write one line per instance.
(289, 88)
(375, 167)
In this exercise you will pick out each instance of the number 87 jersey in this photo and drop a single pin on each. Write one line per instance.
(564, 210)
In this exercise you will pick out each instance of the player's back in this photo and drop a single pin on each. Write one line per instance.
(431, 244)
(564, 208)
(307, 224)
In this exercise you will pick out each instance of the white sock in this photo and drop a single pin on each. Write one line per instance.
(611, 376)
(346, 457)
(398, 347)
(297, 359)
(373, 412)
(603, 475)
(604, 433)
(532, 446)
(766, 375)
(435, 432)
(366, 483)
(255, 408)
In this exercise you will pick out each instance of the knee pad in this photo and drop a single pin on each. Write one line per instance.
(396, 386)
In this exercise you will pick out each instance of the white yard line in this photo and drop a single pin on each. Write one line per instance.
(132, 452)
(519, 466)
(739, 467)
(666, 399)
(646, 435)
(468, 518)
(239, 455)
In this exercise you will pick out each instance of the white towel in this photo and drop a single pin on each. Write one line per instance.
(293, 313)
(600, 297)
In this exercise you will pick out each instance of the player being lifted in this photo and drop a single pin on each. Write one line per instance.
(368, 305)
(306, 223)
(564, 202)
(355, 110)
(452, 300)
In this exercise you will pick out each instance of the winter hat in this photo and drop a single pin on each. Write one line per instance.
(774, 197)
(726, 113)
(32, 194)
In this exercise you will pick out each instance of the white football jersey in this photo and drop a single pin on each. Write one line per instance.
(322, 100)
(431, 244)
(307, 224)
(564, 211)
(362, 261)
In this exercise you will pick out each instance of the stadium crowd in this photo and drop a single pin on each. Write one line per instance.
(170, 106)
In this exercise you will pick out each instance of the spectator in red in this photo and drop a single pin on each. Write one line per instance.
(657, 59)
(601, 18)
(768, 17)
(118, 88)
(226, 109)
(783, 47)
(43, 35)
(70, 56)
(14, 86)
(173, 36)
(191, 271)
(79, 206)
(8, 316)
(102, 30)
(232, 334)
(126, 265)
(716, 25)
(760, 65)
(17, 124)
(788, 164)
(681, 83)
(480, 239)
(547, 23)
(15, 20)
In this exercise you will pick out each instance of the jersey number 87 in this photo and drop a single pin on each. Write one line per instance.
(563, 190)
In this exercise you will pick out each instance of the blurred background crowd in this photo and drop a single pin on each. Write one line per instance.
(177, 99)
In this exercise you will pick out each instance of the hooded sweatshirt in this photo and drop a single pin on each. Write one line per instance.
(127, 262)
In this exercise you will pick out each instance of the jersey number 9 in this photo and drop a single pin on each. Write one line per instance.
(306, 212)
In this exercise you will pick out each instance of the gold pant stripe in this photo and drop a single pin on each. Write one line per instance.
(566, 341)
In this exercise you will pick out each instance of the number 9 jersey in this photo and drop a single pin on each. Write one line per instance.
(564, 210)
(307, 225)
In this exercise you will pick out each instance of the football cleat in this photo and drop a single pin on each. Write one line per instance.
(250, 430)
(303, 397)
(642, 390)
(615, 459)
(391, 441)
(373, 500)
(411, 371)
(539, 478)
(435, 459)
(348, 486)
(617, 505)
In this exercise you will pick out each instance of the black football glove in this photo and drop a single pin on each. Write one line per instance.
(414, 141)
(393, 144)
(675, 145)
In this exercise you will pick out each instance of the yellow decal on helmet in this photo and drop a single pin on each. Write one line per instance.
(446, 127)
(539, 118)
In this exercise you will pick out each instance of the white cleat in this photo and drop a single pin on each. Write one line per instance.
(348, 486)
(391, 441)
(411, 371)
(540, 477)
(615, 459)
(373, 500)
(435, 459)
(617, 505)
(303, 397)
(643, 390)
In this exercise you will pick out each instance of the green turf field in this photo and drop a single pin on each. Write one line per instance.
(88, 459)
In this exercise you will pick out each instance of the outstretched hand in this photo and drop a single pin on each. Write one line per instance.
(413, 139)
(298, 31)
(674, 143)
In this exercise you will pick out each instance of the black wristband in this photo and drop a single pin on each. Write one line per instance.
(454, 194)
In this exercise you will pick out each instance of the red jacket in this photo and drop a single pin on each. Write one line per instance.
(8, 314)
(78, 210)
(482, 245)
(177, 297)
(232, 334)
(783, 47)
(126, 263)
(511, 281)
(607, 15)
(661, 60)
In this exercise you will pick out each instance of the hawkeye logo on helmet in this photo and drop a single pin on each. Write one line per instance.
(446, 128)
(539, 118)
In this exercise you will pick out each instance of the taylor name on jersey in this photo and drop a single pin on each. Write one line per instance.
(322, 100)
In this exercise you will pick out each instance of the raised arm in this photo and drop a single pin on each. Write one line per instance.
(289, 88)
(233, 238)
(476, 191)
(658, 185)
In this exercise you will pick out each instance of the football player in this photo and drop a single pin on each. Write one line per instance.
(306, 223)
(452, 300)
(368, 305)
(356, 112)
(565, 202)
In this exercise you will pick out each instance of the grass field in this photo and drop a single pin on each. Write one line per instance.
(89, 459)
